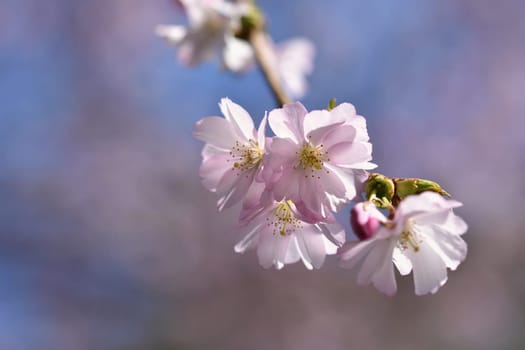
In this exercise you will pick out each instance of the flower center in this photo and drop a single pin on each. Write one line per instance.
(311, 157)
(409, 237)
(246, 156)
(284, 220)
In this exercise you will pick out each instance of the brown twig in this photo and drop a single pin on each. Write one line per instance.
(259, 44)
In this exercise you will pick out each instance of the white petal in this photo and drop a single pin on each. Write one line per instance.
(451, 247)
(241, 121)
(261, 133)
(319, 119)
(425, 202)
(287, 122)
(235, 187)
(334, 234)
(344, 112)
(332, 135)
(312, 245)
(353, 252)
(283, 152)
(174, 34)
(347, 177)
(216, 131)
(249, 240)
(455, 224)
(375, 260)
(266, 248)
(312, 195)
(429, 269)
(403, 264)
(198, 46)
(237, 55)
(295, 61)
(213, 168)
(293, 254)
(384, 279)
(288, 186)
(346, 154)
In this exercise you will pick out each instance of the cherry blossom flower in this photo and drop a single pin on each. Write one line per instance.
(423, 237)
(281, 237)
(210, 32)
(317, 159)
(233, 153)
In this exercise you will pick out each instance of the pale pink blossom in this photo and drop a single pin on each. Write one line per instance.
(210, 33)
(318, 159)
(423, 237)
(233, 153)
(281, 237)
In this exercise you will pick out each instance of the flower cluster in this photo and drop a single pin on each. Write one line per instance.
(289, 184)
(218, 28)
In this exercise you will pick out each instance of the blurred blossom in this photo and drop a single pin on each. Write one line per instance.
(294, 61)
(211, 32)
(211, 29)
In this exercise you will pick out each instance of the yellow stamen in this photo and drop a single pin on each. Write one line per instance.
(285, 221)
(312, 157)
(246, 156)
(409, 237)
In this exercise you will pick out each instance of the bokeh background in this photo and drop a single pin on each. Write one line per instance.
(108, 240)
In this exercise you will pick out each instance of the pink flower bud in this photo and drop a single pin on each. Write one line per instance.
(365, 220)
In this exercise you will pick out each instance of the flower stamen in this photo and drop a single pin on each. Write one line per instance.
(246, 156)
(311, 157)
(409, 238)
(284, 218)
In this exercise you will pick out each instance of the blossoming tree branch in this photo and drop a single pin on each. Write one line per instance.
(289, 185)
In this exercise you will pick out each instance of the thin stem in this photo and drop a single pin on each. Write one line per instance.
(259, 43)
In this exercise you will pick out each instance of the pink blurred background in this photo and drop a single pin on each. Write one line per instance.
(108, 240)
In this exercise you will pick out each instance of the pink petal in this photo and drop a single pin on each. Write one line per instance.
(241, 121)
(287, 122)
(347, 154)
(216, 131)
(213, 169)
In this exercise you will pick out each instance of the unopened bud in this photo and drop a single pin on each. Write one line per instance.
(252, 20)
(365, 220)
(407, 187)
(380, 187)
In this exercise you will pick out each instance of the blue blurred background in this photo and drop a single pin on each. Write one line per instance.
(108, 240)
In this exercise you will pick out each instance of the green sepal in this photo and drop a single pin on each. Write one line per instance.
(252, 20)
(380, 190)
(407, 187)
